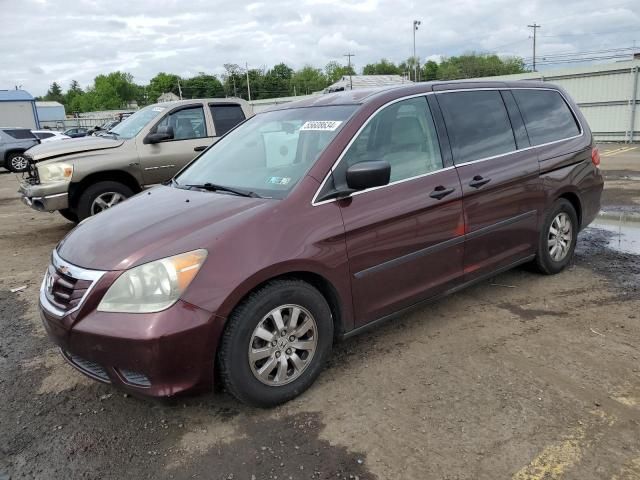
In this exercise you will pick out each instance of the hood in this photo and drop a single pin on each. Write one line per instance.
(154, 224)
(69, 146)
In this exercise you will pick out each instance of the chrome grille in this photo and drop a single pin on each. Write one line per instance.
(65, 286)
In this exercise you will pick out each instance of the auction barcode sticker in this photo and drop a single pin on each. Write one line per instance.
(321, 125)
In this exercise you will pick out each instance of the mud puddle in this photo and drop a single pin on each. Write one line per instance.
(624, 228)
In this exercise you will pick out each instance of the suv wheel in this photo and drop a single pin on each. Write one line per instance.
(558, 238)
(101, 196)
(276, 343)
(17, 162)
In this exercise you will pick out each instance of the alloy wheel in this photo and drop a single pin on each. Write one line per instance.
(106, 200)
(560, 237)
(19, 163)
(282, 345)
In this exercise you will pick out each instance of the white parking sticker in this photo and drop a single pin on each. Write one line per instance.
(321, 125)
(158, 109)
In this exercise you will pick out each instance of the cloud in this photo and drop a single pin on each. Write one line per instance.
(45, 41)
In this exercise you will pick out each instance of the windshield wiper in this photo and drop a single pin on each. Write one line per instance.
(212, 187)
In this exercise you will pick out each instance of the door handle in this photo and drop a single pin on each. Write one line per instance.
(200, 148)
(478, 181)
(440, 192)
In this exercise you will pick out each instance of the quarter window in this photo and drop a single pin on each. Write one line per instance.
(546, 116)
(477, 124)
(186, 123)
(225, 117)
(402, 134)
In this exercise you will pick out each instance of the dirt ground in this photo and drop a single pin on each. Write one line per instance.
(522, 377)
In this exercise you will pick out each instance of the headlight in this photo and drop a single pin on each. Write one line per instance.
(154, 286)
(55, 172)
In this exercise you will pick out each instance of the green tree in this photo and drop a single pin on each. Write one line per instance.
(334, 71)
(202, 86)
(71, 98)
(472, 65)
(54, 94)
(308, 80)
(383, 67)
(430, 71)
(232, 79)
(276, 82)
(162, 83)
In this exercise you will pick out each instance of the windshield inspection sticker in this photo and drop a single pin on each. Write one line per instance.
(158, 109)
(321, 125)
(279, 180)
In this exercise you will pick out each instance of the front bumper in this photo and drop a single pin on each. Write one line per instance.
(157, 354)
(45, 198)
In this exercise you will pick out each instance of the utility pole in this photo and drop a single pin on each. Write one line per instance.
(179, 89)
(535, 29)
(416, 24)
(248, 87)
(349, 55)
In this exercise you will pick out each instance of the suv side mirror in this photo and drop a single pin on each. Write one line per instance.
(363, 175)
(165, 132)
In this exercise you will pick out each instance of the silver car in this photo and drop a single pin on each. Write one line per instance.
(81, 177)
(13, 143)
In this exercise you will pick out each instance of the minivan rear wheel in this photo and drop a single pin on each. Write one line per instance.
(558, 238)
(101, 196)
(275, 343)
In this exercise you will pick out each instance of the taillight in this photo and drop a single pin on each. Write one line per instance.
(595, 156)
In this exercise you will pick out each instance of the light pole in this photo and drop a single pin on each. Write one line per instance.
(416, 24)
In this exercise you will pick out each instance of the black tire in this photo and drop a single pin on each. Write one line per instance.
(544, 262)
(69, 215)
(233, 354)
(96, 190)
(12, 162)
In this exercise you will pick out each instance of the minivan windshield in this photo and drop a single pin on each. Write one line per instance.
(131, 126)
(269, 153)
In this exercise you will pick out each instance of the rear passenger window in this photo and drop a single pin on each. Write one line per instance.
(402, 134)
(20, 134)
(225, 117)
(547, 116)
(477, 124)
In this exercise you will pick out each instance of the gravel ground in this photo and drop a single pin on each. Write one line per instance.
(522, 376)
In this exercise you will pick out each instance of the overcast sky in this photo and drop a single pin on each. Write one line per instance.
(61, 40)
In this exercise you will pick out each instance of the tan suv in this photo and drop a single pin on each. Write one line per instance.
(83, 176)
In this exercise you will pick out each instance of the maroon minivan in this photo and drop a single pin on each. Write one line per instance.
(314, 221)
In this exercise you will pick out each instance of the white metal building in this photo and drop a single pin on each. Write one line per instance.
(608, 96)
(18, 109)
(50, 112)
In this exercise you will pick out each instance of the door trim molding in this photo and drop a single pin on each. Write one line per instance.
(503, 223)
(409, 257)
(394, 262)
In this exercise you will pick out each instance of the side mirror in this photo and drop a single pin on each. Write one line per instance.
(162, 133)
(363, 175)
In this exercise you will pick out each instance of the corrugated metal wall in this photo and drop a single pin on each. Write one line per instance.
(608, 96)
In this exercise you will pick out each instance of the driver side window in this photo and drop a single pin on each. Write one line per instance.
(187, 123)
(402, 134)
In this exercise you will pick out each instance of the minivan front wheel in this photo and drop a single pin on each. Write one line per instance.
(101, 196)
(276, 343)
(558, 238)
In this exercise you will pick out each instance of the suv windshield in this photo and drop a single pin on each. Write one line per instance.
(269, 153)
(131, 126)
